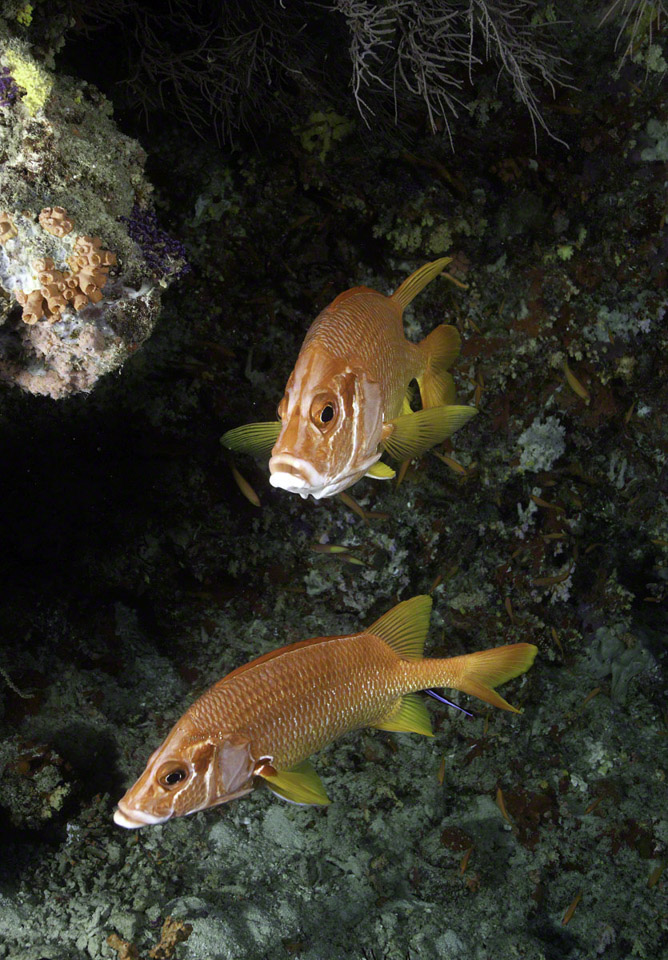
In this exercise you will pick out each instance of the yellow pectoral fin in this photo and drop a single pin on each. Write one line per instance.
(301, 784)
(254, 438)
(381, 471)
(410, 716)
(414, 434)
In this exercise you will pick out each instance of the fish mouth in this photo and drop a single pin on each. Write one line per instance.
(294, 475)
(133, 819)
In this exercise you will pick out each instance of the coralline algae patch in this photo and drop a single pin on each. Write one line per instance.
(61, 281)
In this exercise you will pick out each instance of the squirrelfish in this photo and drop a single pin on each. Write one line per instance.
(346, 401)
(266, 718)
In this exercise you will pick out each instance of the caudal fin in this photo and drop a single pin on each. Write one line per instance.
(478, 673)
(441, 349)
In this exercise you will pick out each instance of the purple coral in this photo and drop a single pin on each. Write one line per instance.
(165, 255)
(9, 91)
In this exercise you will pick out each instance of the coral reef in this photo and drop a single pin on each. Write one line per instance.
(72, 310)
(136, 572)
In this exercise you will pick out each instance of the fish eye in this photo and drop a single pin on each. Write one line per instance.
(323, 411)
(170, 774)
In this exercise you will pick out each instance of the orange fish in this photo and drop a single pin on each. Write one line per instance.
(346, 401)
(267, 717)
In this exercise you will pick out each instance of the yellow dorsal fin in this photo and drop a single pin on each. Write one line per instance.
(409, 715)
(404, 628)
(381, 471)
(415, 433)
(300, 784)
(417, 281)
(257, 439)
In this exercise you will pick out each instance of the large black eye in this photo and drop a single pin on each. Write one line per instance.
(170, 774)
(324, 411)
(176, 776)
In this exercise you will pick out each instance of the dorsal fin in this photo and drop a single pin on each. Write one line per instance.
(347, 294)
(417, 281)
(273, 654)
(404, 627)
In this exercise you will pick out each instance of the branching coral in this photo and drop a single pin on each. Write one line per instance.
(430, 48)
(233, 65)
(639, 20)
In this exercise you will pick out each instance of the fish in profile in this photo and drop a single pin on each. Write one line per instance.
(346, 401)
(266, 718)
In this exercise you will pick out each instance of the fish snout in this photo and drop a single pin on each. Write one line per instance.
(125, 816)
(293, 474)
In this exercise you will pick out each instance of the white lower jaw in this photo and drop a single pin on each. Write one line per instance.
(138, 818)
(319, 487)
(289, 482)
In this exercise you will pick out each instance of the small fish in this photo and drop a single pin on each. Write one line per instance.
(346, 401)
(267, 717)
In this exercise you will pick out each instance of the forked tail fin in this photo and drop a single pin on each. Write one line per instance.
(441, 349)
(478, 673)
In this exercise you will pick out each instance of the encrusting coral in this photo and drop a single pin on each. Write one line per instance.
(59, 290)
(55, 221)
(7, 228)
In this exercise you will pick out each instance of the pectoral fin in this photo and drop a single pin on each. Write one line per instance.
(415, 433)
(409, 716)
(381, 471)
(257, 439)
(301, 784)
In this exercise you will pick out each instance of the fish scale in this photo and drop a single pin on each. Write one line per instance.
(310, 697)
(267, 717)
(366, 327)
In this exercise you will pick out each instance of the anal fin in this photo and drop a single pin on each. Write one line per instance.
(408, 716)
(300, 784)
